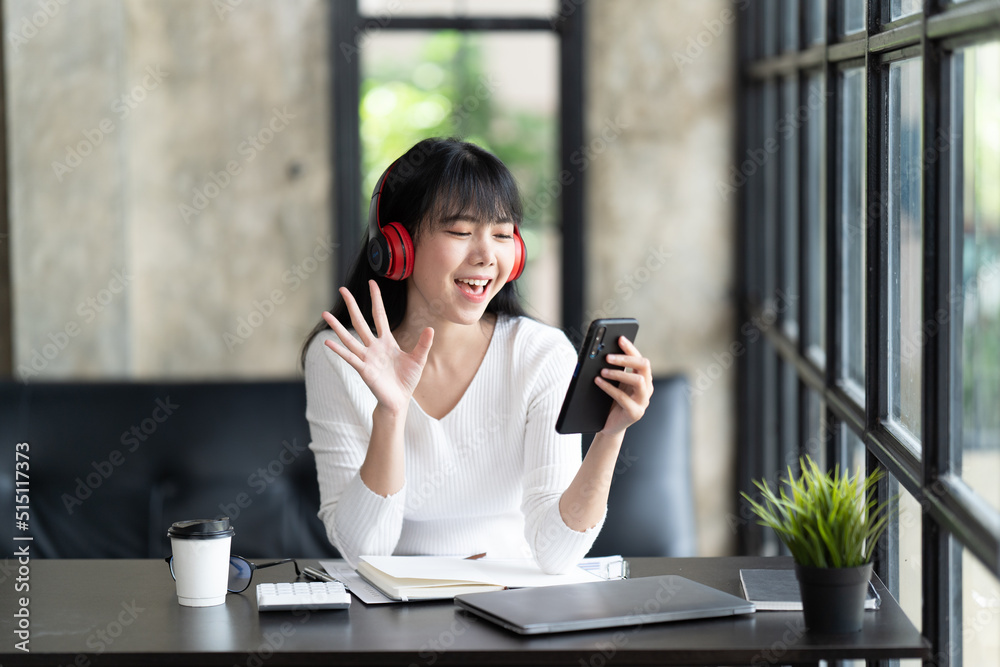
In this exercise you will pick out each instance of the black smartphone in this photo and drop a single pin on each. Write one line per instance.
(586, 407)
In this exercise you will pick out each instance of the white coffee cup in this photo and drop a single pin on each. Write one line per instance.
(200, 562)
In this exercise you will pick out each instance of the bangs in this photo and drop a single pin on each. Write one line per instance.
(476, 190)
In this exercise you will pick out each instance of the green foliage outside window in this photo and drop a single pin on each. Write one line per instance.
(447, 92)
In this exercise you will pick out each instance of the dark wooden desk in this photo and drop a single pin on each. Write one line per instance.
(125, 612)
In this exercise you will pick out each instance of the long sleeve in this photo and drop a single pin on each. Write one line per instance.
(488, 476)
(339, 407)
(550, 460)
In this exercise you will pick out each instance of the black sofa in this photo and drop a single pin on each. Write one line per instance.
(112, 465)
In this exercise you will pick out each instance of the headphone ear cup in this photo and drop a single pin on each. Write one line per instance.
(520, 255)
(400, 247)
(378, 255)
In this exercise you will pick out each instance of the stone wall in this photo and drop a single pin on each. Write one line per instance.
(170, 185)
(660, 236)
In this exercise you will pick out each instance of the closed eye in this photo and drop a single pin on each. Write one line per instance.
(504, 236)
(460, 234)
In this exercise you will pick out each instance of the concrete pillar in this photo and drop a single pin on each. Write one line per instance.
(192, 239)
(660, 246)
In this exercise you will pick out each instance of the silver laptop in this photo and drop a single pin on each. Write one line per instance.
(602, 604)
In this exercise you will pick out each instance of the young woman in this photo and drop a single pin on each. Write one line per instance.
(433, 414)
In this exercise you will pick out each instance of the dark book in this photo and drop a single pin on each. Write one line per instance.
(778, 590)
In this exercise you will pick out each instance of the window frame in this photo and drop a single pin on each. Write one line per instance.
(954, 516)
(347, 26)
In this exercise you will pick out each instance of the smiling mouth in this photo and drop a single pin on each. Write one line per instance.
(474, 287)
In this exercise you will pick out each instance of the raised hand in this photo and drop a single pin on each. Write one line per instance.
(390, 373)
(633, 390)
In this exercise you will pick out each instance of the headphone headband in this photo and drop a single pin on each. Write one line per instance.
(390, 248)
(373, 217)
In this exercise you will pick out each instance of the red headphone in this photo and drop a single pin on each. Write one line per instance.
(390, 248)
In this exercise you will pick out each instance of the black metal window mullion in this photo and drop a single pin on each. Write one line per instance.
(876, 318)
(571, 27)
(805, 278)
(750, 536)
(836, 454)
(345, 25)
(941, 616)
(467, 23)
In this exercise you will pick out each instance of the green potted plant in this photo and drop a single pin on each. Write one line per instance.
(831, 525)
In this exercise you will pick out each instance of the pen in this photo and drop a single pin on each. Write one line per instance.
(320, 576)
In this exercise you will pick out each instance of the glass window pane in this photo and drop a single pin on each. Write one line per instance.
(819, 430)
(851, 16)
(900, 8)
(769, 17)
(908, 525)
(386, 9)
(815, 21)
(853, 225)
(855, 452)
(788, 415)
(980, 613)
(789, 241)
(977, 210)
(814, 220)
(789, 25)
(423, 84)
(906, 337)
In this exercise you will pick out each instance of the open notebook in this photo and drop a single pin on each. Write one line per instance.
(442, 577)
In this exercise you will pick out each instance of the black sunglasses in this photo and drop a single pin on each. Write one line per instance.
(240, 571)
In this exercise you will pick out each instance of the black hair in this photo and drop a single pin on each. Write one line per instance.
(436, 181)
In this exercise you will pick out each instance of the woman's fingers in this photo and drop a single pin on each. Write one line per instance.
(631, 379)
(378, 310)
(345, 354)
(349, 349)
(611, 390)
(632, 360)
(635, 409)
(423, 346)
(357, 319)
(634, 377)
(347, 340)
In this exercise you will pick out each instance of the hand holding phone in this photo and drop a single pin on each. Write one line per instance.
(586, 406)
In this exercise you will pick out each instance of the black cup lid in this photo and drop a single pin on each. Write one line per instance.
(201, 529)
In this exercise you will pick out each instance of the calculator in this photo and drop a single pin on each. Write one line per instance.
(309, 595)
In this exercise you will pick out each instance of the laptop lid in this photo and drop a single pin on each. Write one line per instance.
(602, 604)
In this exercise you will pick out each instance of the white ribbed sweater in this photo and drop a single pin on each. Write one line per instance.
(487, 477)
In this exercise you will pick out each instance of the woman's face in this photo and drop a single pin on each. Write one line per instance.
(460, 266)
